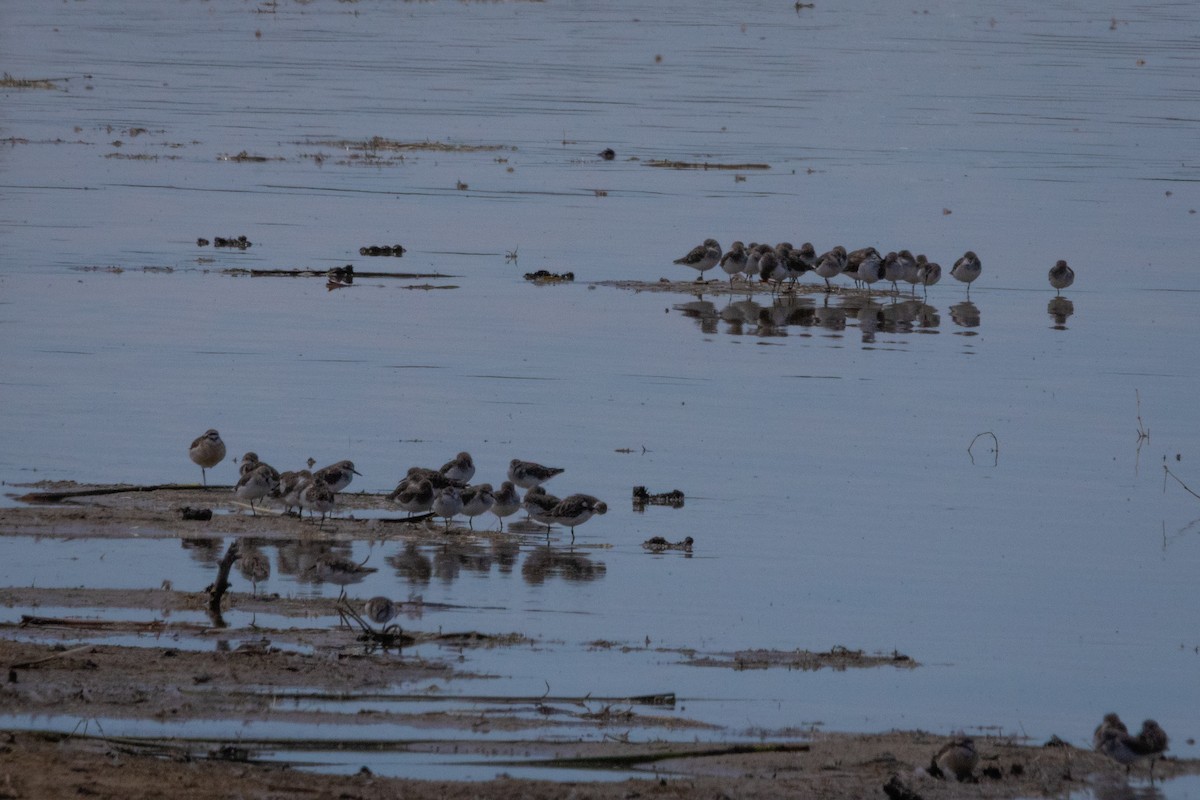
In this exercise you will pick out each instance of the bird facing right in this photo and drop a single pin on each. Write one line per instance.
(702, 257)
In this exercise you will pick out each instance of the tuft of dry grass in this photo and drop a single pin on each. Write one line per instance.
(9, 82)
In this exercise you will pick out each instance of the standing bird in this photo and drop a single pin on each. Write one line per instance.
(871, 269)
(1117, 744)
(539, 504)
(771, 270)
(207, 451)
(317, 496)
(577, 509)
(506, 502)
(702, 257)
(337, 476)
(291, 484)
(958, 758)
(928, 274)
(528, 474)
(1061, 276)
(830, 264)
(477, 500)
(447, 504)
(1110, 725)
(414, 495)
(460, 468)
(256, 484)
(734, 261)
(967, 269)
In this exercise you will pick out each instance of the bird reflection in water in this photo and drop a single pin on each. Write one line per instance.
(548, 562)
(965, 314)
(1060, 309)
(411, 564)
(701, 310)
(748, 318)
(453, 557)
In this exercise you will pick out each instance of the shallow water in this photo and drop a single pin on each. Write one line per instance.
(824, 455)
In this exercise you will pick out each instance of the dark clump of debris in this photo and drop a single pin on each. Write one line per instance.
(240, 242)
(608, 154)
(657, 544)
(382, 250)
(196, 514)
(643, 498)
(543, 276)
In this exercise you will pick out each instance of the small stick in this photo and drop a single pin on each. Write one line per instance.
(1167, 470)
(63, 654)
(216, 590)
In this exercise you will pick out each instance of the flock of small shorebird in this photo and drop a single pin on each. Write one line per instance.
(446, 492)
(783, 262)
(1111, 738)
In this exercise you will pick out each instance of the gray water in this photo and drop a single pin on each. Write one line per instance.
(829, 485)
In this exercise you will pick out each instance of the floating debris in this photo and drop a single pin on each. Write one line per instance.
(608, 154)
(838, 658)
(657, 544)
(643, 498)
(240, 242)
(382, 250)
(668, 164)
(9, 82)
(244, 157)
(543, 276)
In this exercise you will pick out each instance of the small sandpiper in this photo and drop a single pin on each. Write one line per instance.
(958, 758)
(734, 261)
(337, 476)
(256, 484)
(460, 468)
(477, 500)
(1061, 276)
(577, 509)
(507, 501)
(831, 264)
(447, 504)
(317, 497)
(771, 270)
(928, 274)
(291, 484)
(967, 269)
(414, 495)
(702, 257)
(1118, 745)
(207, 451)
(528, 474)
(1110, 725)
(539, 504)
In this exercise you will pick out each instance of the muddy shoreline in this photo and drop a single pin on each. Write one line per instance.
(155, 656)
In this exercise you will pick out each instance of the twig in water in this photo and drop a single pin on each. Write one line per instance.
(216, 590)
(995, 448)
(1143, 432)
(1167, 470)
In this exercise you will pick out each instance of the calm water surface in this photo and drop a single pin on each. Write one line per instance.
(822, 446)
